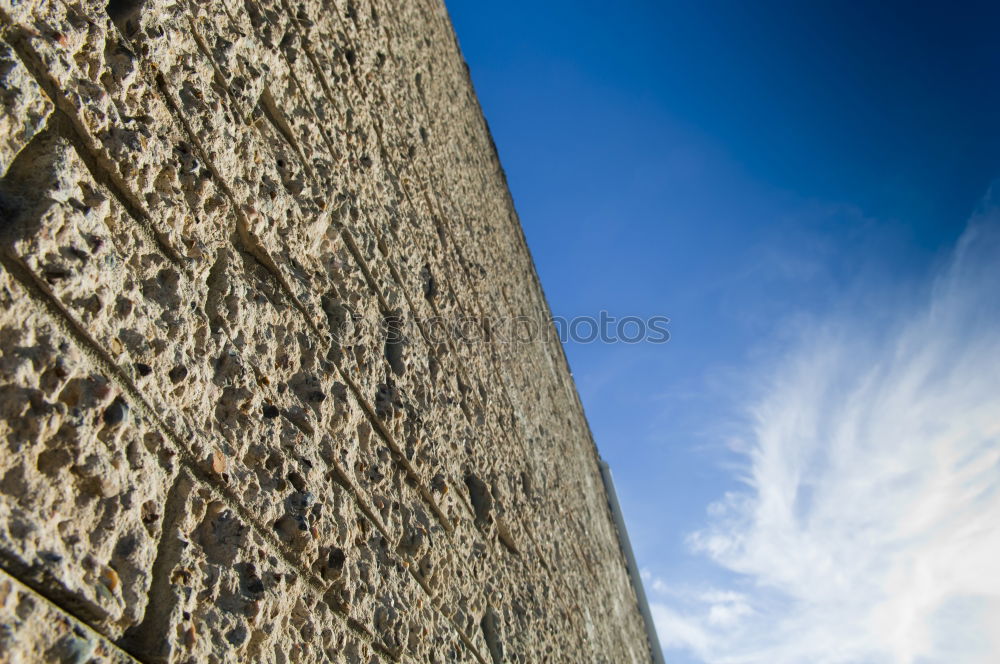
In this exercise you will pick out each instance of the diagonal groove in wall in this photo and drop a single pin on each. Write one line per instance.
(39, 579)
(511, 216)
(280, 124)
(362, 264)
(265, 258)
(248, 241)
(407, 196)
(64, 606)
(464, 270)
(517, 230)
(220, 80)
(359, 259)
(356, 253)
(471, 285)
(502, 378)
(255, 248)
(18, 39)
(252, 245)
(258, 251)
(399, 456)
(40, 294)
(397, 452)
(372, 284)
(353, 490)
(43, 582)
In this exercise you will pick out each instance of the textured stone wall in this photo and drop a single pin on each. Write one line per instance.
(230, 430)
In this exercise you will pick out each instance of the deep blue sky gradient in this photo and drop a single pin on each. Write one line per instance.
(734, 166)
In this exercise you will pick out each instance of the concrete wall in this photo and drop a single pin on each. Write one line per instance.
(232, 427)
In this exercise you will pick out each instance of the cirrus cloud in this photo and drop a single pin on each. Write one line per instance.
(868, 526)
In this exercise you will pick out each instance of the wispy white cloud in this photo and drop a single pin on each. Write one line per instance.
(868, 528)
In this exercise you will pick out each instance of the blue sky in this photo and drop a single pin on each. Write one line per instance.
(800, 187)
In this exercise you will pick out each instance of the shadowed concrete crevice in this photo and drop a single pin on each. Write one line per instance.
(149, 638)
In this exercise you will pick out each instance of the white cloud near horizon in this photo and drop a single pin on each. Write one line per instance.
(867, 530)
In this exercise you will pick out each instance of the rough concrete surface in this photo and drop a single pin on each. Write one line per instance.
(231, 426)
